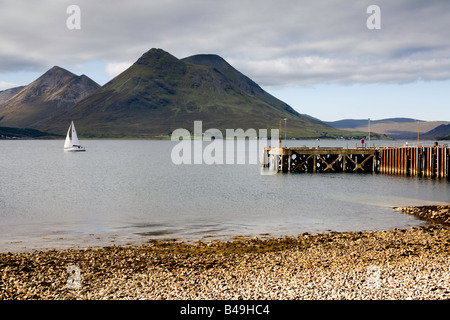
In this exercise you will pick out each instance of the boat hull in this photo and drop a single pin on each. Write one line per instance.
(75, 149)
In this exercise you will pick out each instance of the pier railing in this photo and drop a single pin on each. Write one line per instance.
(409, 161)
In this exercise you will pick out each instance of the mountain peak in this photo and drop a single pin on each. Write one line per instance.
(58, 71)
(156, 55)
(222, 66)
(161, 61)
(58, 68)
(53, 92)
(52, 81)
(210, 60)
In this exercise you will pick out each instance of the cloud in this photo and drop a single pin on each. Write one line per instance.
(112, 69)
(310, 70)
(6, 85)
(276, 43)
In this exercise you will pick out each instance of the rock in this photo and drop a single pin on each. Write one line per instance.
(389, 264)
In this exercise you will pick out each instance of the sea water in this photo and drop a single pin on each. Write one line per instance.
(130, 191)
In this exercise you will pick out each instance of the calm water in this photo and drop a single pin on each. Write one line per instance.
(121, 192)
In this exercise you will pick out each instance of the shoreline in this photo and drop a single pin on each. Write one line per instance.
(393, 264)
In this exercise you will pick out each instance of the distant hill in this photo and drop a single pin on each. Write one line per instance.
(357, 123)
(160, 93)
(397, 128)
(49, 95)
(21, 133)
(9, 93)
(441, 132)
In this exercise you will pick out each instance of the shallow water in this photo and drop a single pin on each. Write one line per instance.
(129, 191)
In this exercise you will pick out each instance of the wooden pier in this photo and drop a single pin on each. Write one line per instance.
(416, 161)
(408, 161)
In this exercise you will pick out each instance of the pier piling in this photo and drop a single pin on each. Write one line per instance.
(433, 162)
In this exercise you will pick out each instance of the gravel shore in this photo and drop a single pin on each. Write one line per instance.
(395, 264)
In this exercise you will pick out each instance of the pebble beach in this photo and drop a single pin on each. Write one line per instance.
(382, 265)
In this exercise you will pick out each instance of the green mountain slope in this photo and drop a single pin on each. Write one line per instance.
(160, 93)
(25, 133)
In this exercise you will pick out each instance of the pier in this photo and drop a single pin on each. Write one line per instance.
(431, 162)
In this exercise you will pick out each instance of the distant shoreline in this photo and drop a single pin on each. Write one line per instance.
(168, 138)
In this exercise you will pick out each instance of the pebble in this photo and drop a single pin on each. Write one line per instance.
(432, 213)
(390, 264)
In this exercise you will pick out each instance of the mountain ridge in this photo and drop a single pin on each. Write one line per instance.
(53, 92)
(160, 93)
(441, 132)
(397, 128)
(9, 93)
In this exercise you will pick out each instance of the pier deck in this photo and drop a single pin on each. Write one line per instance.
(409, 161)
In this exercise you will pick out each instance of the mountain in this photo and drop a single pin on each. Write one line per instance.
(9, 93)
(358, 123)
(441, 132)
(397, 128)
(160, 93)
(49, 95)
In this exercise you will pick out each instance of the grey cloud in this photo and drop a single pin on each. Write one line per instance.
(276, 43)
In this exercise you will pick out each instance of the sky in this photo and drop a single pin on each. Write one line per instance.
(330, 59)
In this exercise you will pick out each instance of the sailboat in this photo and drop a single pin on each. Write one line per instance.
(72, 143)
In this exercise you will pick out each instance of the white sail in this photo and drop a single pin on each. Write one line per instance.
(72, 143)
(68, 142)
(75, 141)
